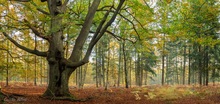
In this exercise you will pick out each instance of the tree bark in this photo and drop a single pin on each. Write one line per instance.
(184, 65)
(61, 68)
(119, 65)
(189, 58)
(125, 65)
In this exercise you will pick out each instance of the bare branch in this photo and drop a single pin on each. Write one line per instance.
(118, 37)
(36, 52)
(42, 11)
(7, 52)
(133, 25)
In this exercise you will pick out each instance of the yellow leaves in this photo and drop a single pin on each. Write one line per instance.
(185, 4)
(114, 44)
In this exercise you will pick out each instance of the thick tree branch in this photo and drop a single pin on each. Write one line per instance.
(36, 52)
(79, 43)
(103, 30)
(35, 31)
(101, 25)
(64, 6)
(71, 64)
(108, 23)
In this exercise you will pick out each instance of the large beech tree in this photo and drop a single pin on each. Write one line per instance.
(60, 67)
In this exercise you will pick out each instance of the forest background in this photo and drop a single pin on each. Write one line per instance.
(150, 42)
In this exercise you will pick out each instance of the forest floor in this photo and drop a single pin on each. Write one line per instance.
(135, 95)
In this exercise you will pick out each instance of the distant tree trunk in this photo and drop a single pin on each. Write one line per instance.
(107, 71)
(189, 75)
(167, 70)
(99, 70)
(41, 71)
(125, 65)
(141, 74)
(7, 66)
(146, 77)
(35, 70)
(80, 76)
(163, 61)
(119, 65)
(206, 63)
(35, 62)
(200, 66)
(213, 76)
(138, 70)
(184, 64)
(103, 67)
(163, 79)
(130, 72)
(96, 67)
(84, 70)
(77, 77)
(177, 73)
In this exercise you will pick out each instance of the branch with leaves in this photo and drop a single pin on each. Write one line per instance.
(35, 51)
(35, 31)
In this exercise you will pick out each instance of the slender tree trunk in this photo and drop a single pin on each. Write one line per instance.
(96, 67)
(184, 65)
(189, 75)
(167, 78)
(163, 62)
(200, 66)
(176, 70)
(125, 65)
(84, 74)
(130, 72)
(103, 68)
(119, 65)
(213, 76)
(100, 76)
(35, 70)
(163, 80)
(138, 70)
(7, 66)
(206, 58)
(107, 71)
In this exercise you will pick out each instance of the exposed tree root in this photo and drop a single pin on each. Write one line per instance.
(11, 97)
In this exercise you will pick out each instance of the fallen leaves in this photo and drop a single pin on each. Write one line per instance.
(135, 95)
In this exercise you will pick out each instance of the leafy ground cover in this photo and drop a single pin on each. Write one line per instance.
(135, 95)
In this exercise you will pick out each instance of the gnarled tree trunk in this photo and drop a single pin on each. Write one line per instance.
(61, 68)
